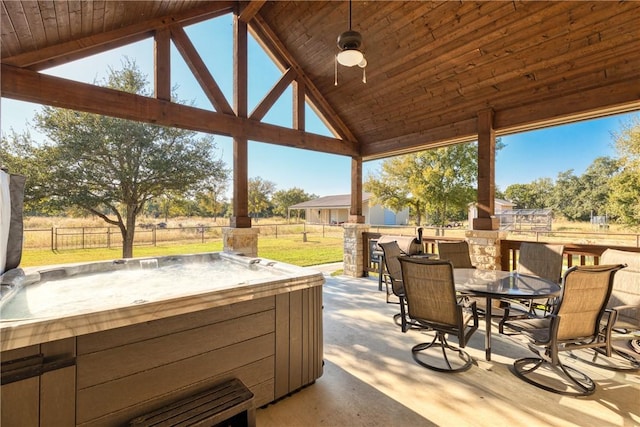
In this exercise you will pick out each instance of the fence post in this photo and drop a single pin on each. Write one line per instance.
(276, 231)
(108, 237)
(82, 237)
(153, 236)
(52, 247)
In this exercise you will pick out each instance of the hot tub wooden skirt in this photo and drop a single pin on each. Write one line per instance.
(272, 344)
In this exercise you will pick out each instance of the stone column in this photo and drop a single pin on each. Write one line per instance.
(353, 249)
(484, 246)
(240, 240)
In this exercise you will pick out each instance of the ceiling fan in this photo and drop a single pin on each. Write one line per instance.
(350, 55)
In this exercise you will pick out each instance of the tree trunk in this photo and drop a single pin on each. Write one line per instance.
(128, 233)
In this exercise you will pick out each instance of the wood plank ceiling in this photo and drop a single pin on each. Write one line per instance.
(432, 66)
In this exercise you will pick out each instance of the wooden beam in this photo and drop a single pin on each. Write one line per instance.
(621, 97)
(455, 133)
(299, 105)
(250, 10)
(29, 86)
(200, 71)
(162, 65)
(80, 48)
(272, 96)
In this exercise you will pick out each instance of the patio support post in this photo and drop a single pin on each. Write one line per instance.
(240, 237)
(484, 240)
(355, 212)
(353, 264)
(486, 173)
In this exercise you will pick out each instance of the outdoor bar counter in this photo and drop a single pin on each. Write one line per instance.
(105, 354)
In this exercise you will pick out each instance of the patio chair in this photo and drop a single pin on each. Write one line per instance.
(535, 259)
(455, 252)
(573, 324)
(392, 278)
(432, 303)
(623, 308)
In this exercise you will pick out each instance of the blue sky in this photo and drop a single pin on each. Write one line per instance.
(526, 156)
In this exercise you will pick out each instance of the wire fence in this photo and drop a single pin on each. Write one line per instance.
(67, 238)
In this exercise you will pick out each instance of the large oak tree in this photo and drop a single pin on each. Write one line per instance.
(111, 167)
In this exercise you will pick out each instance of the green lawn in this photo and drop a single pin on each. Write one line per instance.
(320, 250)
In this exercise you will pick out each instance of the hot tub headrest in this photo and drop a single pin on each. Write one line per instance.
(408, 244)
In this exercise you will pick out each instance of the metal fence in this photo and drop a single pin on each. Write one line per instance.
(66, 238)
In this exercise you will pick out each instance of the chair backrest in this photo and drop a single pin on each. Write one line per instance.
(626, 284)
(430, 291)
(542, 260)
(585, 292)
(392, 254)
(455, 252)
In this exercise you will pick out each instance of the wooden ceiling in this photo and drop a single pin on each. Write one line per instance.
(432, 66)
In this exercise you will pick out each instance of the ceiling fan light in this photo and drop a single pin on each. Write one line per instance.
(350, 57)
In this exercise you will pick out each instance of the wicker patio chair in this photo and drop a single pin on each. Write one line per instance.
(573, 324)
(432, 303)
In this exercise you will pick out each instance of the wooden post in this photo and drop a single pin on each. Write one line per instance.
(355, 212)
(486, 173)
(240, 218)
(162, 64)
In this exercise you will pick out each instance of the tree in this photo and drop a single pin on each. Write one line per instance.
(282, 199)
(596, 183)
(20, 154)
(624, 199)
(260, 192)
(111, 167)
(439, 182)
(536, 195)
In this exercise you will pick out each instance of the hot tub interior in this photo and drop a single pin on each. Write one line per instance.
(80, 288)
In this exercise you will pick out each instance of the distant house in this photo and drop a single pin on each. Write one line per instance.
(335, 210)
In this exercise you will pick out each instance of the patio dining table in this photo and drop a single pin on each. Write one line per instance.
(492, 284)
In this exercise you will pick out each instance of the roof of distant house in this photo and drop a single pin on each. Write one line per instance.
(337, 201)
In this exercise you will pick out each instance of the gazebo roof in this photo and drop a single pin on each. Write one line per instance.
(432, 66)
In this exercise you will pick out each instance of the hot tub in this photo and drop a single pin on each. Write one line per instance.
(108, 341)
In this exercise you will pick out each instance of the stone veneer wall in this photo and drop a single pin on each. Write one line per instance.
(484, 246)
(240, 240)
(353, 249)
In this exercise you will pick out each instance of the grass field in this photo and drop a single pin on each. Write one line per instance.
(293, 251)
(319, 249)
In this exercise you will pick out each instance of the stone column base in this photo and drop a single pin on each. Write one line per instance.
(353, 249)
(485, 248)
(240, 240)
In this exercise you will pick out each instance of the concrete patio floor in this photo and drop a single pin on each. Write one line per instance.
(370, 378)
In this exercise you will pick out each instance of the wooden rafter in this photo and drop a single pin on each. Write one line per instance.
(77, 49)
(250, 10)
(199, 70)
(276, 49)
(272, 96)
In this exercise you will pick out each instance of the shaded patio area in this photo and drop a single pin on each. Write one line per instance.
(371, 379)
